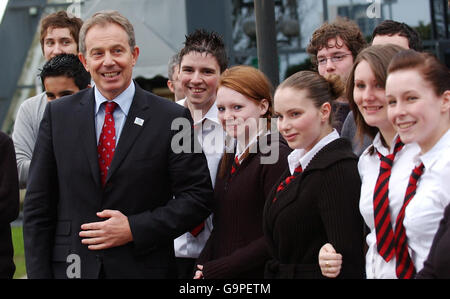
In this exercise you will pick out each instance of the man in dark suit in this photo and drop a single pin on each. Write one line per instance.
(109, 190)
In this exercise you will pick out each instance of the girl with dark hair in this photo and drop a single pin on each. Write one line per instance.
(316, 199)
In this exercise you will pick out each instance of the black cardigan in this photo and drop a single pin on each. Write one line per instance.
(319, 206)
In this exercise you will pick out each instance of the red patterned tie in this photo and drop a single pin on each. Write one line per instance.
(404, 264)
(382, 215)
(107, 142)
(286, 182)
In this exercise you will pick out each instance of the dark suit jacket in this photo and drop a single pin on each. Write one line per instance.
(9, 203)
(164, 194)
(319, 206)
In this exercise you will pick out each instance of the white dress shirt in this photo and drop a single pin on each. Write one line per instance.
(369, 167)
(211, 137)
(123, 102)
(302, 157)
(426, 209)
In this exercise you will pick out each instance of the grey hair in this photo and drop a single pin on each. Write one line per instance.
(173, 62)
(106, 17)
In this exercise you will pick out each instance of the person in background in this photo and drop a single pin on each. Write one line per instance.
(202, 60)
(236, 247)
(333, 48)
(387, 32)
(9, 204)
(317, 197)
(173, 74)
(418, 92)
(63, 75)
(59, 34)
(384, 167)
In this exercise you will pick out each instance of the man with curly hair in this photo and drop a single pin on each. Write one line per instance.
(333, 48)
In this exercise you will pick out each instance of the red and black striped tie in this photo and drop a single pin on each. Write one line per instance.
(286, 182)
(404, 264)
(382, 215)
(235, 165)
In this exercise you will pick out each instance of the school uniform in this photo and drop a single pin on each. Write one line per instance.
(369, 167)
(318, 206)
(236, 247)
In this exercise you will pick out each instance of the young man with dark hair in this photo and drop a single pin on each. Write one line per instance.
(333, 48)
(202, 61)
(58, 34)
(393, 32)
(64, 75)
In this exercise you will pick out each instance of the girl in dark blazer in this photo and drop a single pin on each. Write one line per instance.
(9, 203)
(316, 199)
(247, 173)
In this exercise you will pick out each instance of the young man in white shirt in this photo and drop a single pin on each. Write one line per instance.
(202, 61)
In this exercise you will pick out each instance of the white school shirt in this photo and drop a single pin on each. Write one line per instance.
(212, 140)
(302, 157)
(369, 168)
(426, 209)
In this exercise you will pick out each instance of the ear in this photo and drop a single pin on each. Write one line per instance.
(135, 54)
(83, 61)
(445, 108)
(263, 106)
(170, 85)
(325, 112)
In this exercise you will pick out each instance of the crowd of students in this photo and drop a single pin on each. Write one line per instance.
(357, 189)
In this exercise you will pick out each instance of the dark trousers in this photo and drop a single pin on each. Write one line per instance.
(185, 267)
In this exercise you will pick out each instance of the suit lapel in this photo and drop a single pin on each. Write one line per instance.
(86, 117)
(136, 120)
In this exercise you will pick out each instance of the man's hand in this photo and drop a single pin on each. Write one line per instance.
(112, 232)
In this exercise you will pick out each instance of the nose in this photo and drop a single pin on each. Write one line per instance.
(57, 49)
(108, 60)
(282, 125)
(196, 78)
(368, 94)
(330, 66)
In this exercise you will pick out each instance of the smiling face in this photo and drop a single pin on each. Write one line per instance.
(199, 76)
(369, 96)
(416, 111)
(238, 114)
(299, 121)
(58, 41)
(109, 59)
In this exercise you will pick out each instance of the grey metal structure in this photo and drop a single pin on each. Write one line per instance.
(17, 30)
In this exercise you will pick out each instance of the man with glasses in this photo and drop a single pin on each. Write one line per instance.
(333, 47)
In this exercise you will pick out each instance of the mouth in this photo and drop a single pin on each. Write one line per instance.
(111, 75)
(405, 125)
(197, 90)
(372, 109)
(290, 137)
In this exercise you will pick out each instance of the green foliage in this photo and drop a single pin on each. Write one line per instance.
(19, 252)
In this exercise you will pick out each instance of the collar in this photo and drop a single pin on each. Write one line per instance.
(440, 149)
(302, 157)
(123, 100)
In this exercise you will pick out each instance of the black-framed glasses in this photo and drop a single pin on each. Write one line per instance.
(334, 58)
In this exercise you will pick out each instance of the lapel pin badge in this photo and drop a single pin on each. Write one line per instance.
(139, 121)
